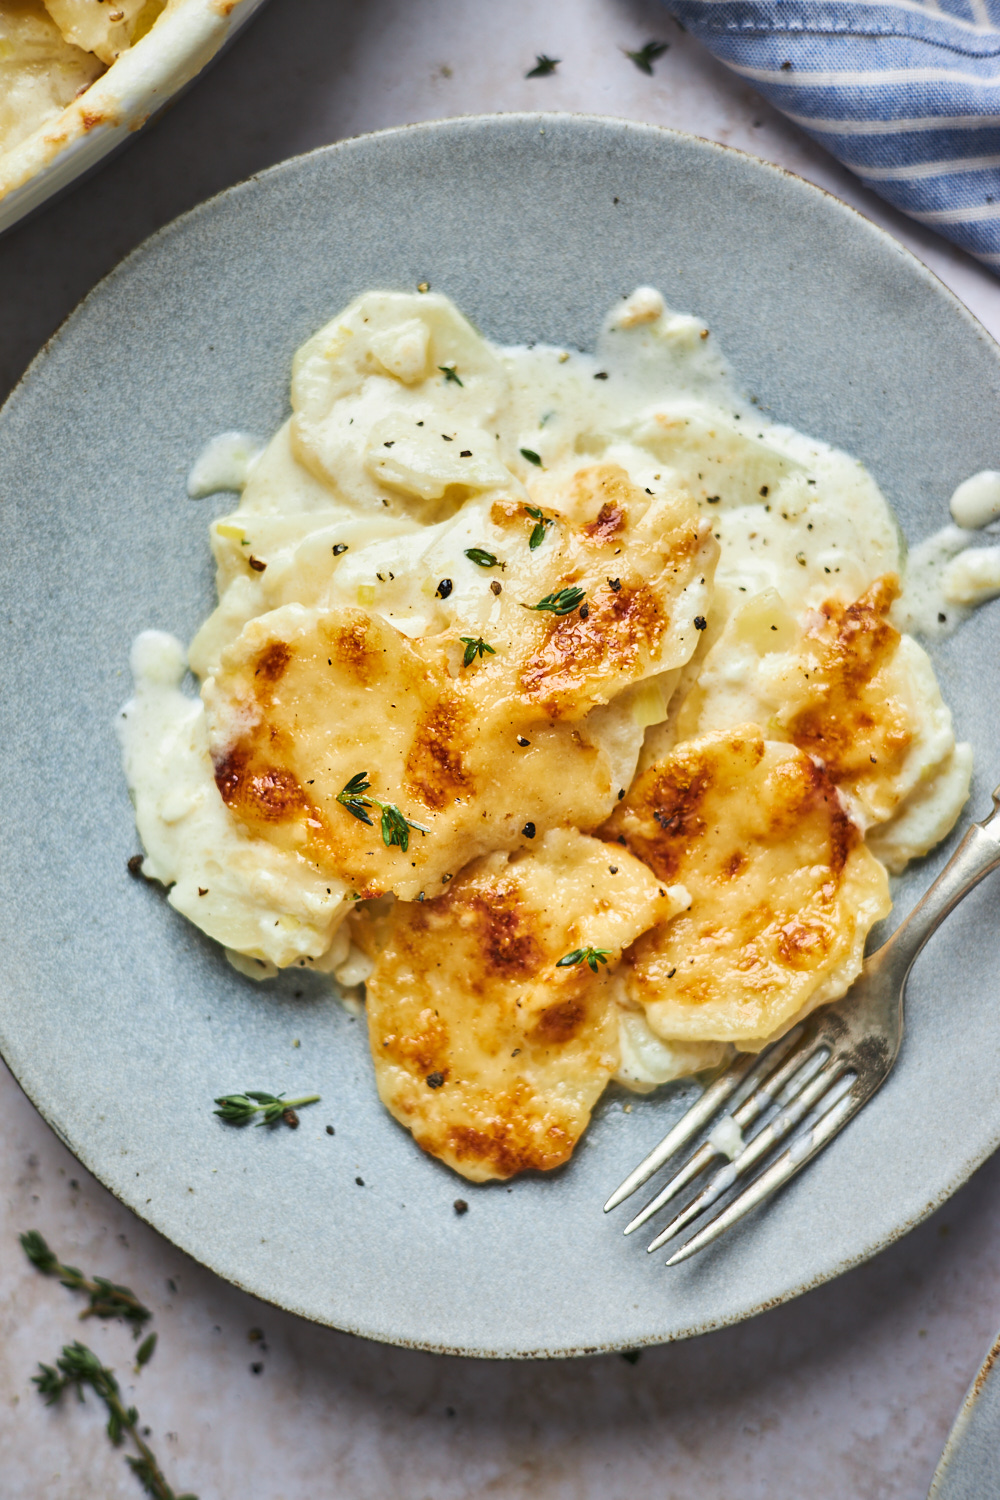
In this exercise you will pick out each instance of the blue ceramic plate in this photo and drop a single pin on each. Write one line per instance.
(122, 1023)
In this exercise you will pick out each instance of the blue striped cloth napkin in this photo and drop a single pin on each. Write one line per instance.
(906, 93)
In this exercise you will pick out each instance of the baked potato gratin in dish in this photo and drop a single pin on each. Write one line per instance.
(559, 700)
(78, 77)
(51, 51)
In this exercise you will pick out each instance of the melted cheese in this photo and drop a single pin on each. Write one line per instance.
(105, 27)
(783, 891)
(265, 903)
(471, 751)
(842, 684)
(377, 417)
(40, 72)
(491, 1054)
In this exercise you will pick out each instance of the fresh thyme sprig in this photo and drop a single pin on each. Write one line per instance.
(543, 66)
(474, 647)
(395, 825)
(450, 373)
(541, 526)
(646, 56)
(239, 1109)
(78, 1368)
(106, 1299)
(532, 457)
(352, 797)
(563, 602)
(590, 956)
(482, 559)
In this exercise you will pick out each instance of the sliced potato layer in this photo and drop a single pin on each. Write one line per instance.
(844, 686)
(40, 72)
(474, 743)
(491, 1054)
(783, 889)
(104, 27)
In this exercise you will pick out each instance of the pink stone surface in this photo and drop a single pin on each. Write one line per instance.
(848, 1391)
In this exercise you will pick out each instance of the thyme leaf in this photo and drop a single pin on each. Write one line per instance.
(239, 1109)
(78, 1368)
(482, 559)
(107, 1300)
(543, 66)
(144, 1353)
(395, 825)
(474, 647)
(531, 456)
(590, 956)
(563, 602)
(352, 797)
(541, 526)
(450, 373)
(646, 56)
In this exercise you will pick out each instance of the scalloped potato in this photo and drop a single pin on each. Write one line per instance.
(553, 697)
(783, 891)
(40, 70)
(491, 1054)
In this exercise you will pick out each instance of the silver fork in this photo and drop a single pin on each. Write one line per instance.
(812, 1081)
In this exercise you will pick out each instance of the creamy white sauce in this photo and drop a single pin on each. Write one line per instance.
(726, 1137)
(947, 574)
(976, 502)
(225, 463)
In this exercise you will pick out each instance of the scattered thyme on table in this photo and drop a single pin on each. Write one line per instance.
(107, 1300)
(78, 1368)
(543, 66)
(646, 56)
(589, 956)
(239, 1109)
(395, 825)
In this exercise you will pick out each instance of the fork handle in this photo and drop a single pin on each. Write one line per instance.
(977, 854)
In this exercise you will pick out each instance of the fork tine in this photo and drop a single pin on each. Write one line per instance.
(692, 1168)
(688, 1125)
(783, 1123)
(780, 1086)
(802, 1149)
(745, 1068)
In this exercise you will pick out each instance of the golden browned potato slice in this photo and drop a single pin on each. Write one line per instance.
(40, 73)
(844, 686)
(783, 889)
(491, 1054)
(645, 567)
(482, 749)
(305, 702)
(104, 27)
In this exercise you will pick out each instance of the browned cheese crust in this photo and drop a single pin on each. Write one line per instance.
(783, 889)
(487, 1051)
(306, 699)
(855, 721)
(842, 685)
